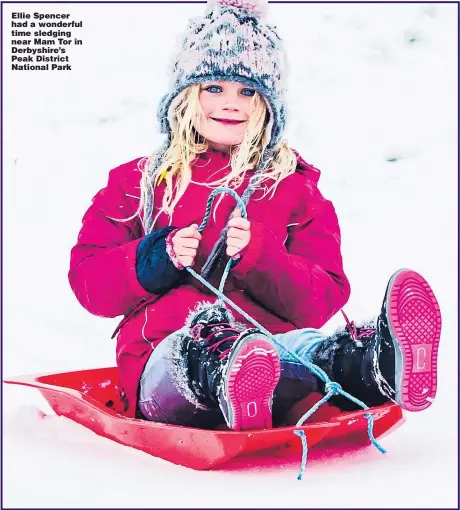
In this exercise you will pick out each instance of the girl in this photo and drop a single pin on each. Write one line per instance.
(186, 360)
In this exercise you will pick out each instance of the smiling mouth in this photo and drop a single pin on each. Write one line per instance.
(228, 121)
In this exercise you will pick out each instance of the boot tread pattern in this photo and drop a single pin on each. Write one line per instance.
(415, 319)
(252, 377)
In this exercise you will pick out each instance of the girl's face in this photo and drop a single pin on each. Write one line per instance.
(226, 106)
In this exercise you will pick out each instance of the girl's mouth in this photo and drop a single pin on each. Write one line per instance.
(228, 121)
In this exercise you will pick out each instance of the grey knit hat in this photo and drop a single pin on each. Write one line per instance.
(231, 42)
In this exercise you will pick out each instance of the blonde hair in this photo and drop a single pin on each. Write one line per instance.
(186, 144)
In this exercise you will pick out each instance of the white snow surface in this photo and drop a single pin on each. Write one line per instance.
(359, 93)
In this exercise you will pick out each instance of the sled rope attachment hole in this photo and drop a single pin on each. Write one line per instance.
(332, 388)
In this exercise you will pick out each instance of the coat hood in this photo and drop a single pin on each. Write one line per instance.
(304, 168)
(307, 169)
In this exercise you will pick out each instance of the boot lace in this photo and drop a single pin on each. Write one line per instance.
(353, 331)
(215, 346)
(225, 353)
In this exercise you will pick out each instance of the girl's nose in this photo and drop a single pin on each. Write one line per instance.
(231, 100)
(231, 107)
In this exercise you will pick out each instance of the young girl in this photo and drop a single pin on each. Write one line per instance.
(182, 358)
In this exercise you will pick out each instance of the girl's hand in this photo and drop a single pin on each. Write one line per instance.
(185, 244)
(239, 233)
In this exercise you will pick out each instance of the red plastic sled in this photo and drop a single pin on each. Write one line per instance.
(91, 398)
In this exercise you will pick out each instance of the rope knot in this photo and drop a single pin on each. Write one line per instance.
(333, 387)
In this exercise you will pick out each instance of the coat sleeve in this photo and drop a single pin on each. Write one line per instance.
(102, 271)
(301, 280)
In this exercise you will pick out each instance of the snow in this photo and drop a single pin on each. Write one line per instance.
(373, 104)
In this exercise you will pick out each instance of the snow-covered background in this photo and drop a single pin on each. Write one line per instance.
(373, 104)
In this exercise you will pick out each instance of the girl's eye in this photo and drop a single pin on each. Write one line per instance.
(213, 88)
(248, 92)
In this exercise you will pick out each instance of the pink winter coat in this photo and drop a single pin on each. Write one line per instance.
(291, 275)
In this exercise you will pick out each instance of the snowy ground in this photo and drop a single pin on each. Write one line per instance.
(369, 83)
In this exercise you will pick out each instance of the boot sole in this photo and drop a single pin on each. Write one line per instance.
(250, 378)
(414, 321)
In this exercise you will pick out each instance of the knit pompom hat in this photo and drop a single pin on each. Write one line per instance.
(231, 42)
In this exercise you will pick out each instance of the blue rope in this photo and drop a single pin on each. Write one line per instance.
(332, 388)
(303, 438)
(370, 432)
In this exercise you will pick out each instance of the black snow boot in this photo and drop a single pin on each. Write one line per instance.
(349, 357)
(392, 359)
(229, 366)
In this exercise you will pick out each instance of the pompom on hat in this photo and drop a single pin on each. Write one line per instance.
(254, 7)
(231, 42)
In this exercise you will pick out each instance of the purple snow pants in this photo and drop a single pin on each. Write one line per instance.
(161, 401)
